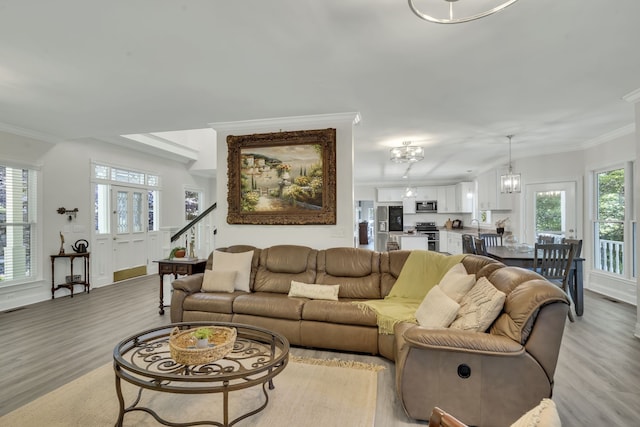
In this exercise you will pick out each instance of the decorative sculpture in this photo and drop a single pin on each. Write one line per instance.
(61, 252)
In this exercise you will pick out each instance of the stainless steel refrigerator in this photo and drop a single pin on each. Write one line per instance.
(389, 221)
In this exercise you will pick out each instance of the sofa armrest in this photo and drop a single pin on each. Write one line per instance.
(189, 284)
(456, 339)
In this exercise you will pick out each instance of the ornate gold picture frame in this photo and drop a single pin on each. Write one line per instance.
(282, 178)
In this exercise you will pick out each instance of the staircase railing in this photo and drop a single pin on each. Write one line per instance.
(193, 222)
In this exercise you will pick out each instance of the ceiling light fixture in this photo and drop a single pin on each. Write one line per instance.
(466, 10)
(407, 153)
(510, 183)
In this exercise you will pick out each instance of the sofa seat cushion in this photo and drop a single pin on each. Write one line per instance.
(214, 302)
(343, 311)
(267, 304)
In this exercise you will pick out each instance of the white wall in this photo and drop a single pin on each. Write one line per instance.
(66, 182)
(315, 236)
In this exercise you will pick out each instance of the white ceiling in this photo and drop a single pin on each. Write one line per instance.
(551, 72)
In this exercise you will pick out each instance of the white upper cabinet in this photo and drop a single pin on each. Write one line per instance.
(457, 198)
(427, 193)
(391, 194)
(409, 205)
(489, 196)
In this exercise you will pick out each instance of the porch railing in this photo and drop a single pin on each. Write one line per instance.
(610, 256)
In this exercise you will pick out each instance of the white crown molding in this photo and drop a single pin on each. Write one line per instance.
(610, 136)
(158, 143)
(298, 121)
(632, 97)
(163, 148)
(29, 133)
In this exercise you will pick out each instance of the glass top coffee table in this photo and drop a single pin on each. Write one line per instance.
(144, 360)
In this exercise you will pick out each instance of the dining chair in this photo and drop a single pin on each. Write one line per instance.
(577, 246)
(467, 244)
(491, 239)
(546, 239)
(481, 246)
(553, 261)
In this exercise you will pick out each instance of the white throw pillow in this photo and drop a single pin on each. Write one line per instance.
(479, 307)
(456, 282)
(218, 281)
(543, 415)
(238, 262)
(306, 290)
(437, 310)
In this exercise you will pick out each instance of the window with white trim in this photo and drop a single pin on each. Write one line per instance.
(18, 222)
(613, 229)
(104, 176)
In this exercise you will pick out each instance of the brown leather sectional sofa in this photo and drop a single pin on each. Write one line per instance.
(488, 378)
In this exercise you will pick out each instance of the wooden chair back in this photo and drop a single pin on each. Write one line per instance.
(491, 239)
(481, 247)
(467, 244)
(546, 239)
(553, 261)
(577, 246)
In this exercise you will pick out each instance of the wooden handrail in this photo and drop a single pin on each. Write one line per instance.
(193, 222)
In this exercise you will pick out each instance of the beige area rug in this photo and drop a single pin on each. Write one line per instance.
(309, 392)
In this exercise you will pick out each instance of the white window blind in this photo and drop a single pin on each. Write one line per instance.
(17, 223)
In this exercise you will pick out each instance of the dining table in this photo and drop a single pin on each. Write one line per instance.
(523, 256)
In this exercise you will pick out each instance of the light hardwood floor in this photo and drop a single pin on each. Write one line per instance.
(48, 344)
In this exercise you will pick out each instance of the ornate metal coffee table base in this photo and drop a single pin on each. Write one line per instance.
(144, 360)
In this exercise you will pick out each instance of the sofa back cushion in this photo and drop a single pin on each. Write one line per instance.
(357, 271)
(391, 263)
(238, 249)
(526, 293)
(281, 264)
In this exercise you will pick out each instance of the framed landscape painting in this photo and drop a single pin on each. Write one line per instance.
(282, 178)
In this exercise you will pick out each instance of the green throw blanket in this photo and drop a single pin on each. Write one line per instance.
(421, 272)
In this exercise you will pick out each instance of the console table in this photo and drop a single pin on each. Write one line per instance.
(84, 282)
(177, 266)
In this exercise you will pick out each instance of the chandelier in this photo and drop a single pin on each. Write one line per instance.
(510, 183)
(407, 153)
(464, 11)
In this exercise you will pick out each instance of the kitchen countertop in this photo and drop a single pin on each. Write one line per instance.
(469, 230)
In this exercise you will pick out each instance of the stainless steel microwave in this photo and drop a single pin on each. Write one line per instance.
(428, 206)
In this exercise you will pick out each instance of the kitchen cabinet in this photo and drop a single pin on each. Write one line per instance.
(427, 193)
(489, 196)
(454, 243)
(455, 198)
(414, 242)
(409, 205)
(390, 194)
(446, 198)
(444, 243)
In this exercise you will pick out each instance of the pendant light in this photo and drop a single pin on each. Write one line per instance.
(510, 183)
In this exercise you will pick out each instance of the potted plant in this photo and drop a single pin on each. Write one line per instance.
(202, 336)
(178, 252)
(500, 224)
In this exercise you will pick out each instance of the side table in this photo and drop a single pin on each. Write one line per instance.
(72, 256)
(177, 266)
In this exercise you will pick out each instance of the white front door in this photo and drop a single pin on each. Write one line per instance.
(550, 208)
(129, 231)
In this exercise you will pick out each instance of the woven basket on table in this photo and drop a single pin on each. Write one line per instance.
(183, 349)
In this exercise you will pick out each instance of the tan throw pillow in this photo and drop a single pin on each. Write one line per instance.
(306, 290)
(543, 415)
(238, 262)
(479, 307)
(218, 281)
(437, 310)
(456, 282)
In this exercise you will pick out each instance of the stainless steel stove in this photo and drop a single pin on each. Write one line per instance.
(430, 230)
